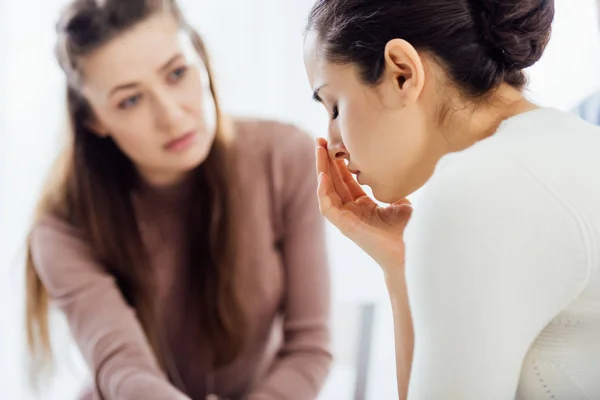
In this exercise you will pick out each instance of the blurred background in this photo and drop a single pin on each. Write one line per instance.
(257, 50)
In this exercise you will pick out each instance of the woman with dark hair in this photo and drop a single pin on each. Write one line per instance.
(186, 249)
(494, 278)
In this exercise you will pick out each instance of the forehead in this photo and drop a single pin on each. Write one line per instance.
(337, 82)
(136, 52)
(314, 62)
(322, 72)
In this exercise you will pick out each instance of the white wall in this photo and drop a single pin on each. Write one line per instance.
(257, 48)
(569, 70)
(30, 109)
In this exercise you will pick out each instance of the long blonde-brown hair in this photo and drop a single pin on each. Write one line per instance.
(91, 188)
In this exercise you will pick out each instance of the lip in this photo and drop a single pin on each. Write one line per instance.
(358, 177)
(181, 143)
(356, 174)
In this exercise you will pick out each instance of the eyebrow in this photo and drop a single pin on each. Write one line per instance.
(132, 85)
(170, 62)
(316, 96)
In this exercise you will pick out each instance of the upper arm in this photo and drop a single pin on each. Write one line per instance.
(488, 267)
(103, 325)
(304, 358)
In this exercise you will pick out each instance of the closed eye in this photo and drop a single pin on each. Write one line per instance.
(335, 112)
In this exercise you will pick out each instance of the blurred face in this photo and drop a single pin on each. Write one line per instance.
(150, 93)
(389, 132)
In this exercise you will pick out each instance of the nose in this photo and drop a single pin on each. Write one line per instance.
(337, 150)
(167, 110)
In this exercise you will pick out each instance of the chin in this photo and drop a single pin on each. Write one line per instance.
(384, 196)
(388, 195)
(193, 159)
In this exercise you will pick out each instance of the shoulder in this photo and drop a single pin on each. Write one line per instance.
(487, 216)
(60, 253)
(49, 230)
(482, 206)
(519, 158)
(480, 184)
(279, 158)
(270, 136)
(277, 151)
(486, 225)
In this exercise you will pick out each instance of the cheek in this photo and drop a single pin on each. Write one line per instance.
(134, 134)
(198, 98)
(199, 101)
(412, 141)
(355, 123)
(368, 135)
(192, 93)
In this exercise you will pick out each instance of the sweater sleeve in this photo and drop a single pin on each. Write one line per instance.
(492, 256)
(103, 325)
(304, 360)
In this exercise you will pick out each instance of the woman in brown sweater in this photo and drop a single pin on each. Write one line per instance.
(185, 249)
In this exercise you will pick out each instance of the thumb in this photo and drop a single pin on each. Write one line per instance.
(398, 212)
(402, 202)
(402, 206)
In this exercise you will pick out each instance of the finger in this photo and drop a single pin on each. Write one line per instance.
(322, 161)
(355, 190)
(338, 183)
(328, 198)
(401, 210)
(330, 206)
(328, 166)
(403, 202)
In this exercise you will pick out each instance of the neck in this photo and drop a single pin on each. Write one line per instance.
(162, 180)
(166, 192)
(471, 124)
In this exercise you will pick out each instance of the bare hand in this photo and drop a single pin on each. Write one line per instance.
(377, 230)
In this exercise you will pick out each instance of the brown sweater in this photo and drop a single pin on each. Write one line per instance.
(282, 252)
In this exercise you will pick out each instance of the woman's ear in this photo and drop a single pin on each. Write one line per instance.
(97, 128)
(404, 68)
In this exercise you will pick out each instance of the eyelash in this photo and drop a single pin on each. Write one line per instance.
(179, 75)
(335, 112)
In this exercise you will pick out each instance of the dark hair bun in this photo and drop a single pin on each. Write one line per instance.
(481, 43)
(516, 31)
